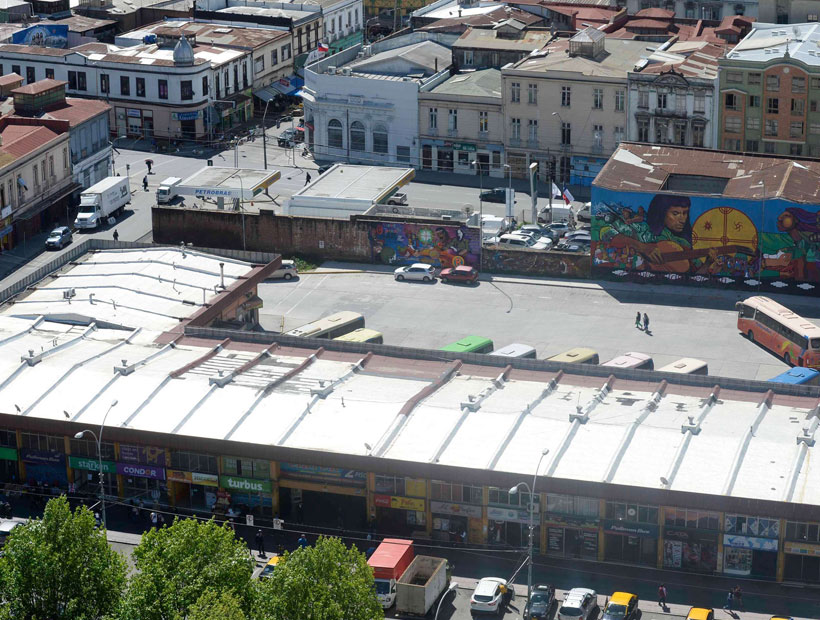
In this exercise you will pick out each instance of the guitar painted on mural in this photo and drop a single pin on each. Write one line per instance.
(673, 257)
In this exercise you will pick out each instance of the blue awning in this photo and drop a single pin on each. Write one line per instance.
(265, 94)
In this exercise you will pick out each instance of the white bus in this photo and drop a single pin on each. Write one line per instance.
(331, 326)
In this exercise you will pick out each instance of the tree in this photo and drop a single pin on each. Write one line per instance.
(60, 567)
(326, 582)
(178, 564)
(215, 606)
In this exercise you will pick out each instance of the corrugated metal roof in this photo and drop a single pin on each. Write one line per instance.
(20, 140)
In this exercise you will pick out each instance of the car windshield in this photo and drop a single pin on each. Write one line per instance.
(616, 610)
(570, 611)
(482, 598)
(530, 241)
(55, 233)
(539, 598)
(382, 587)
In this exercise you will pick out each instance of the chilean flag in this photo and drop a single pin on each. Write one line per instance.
(323, 48)
(568, 197)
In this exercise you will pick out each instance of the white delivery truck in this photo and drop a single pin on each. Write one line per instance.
(421, 585)
(101, 200)
(167, 190)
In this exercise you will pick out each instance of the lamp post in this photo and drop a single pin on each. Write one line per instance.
(98, 438)
(477, 165)
(762, 184)
(510, 201)
(451, 588)
(533, 196)
(114, 150)
(531, 491)
(265, 136)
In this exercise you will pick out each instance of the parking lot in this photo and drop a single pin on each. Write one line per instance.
(550, 315)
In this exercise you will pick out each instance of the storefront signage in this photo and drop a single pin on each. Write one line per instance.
(5, 212)
(186, 116)
(8, 454)
(178, 476)
(582, 522)
(208, 480)
(463, 510)
(510, 514)
(750, 542)
(614, 526)
(462, 146)
(315, 472)
(141, 471)
(91, 464)
(403, 503)
(142, 454)
(43, 457)
(247, 485)
(7, 230)
(802, 549)
(134, 112)
(690, 536)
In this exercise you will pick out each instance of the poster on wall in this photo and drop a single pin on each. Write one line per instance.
(438, 245)
(706, 240)
(42, 35)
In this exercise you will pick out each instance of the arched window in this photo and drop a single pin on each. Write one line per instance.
(356, 136)
(380, 139)
(334, 134)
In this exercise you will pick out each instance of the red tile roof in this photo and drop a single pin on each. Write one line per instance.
(655, 13)
(20, 140)
(10, 78)
(654, 24)
(38, 87)
(77, 111)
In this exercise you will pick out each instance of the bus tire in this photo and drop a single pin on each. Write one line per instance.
(751, 336)
(787, 358)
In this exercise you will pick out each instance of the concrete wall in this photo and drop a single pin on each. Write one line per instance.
(535, 263)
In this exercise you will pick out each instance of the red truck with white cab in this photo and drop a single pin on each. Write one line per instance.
(389, 561)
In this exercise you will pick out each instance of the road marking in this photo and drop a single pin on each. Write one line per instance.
(306, 296)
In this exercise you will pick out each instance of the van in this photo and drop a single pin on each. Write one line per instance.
(167, 190)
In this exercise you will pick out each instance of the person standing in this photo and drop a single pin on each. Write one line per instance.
(148, 164)
(260, 544)
(145, 182)
(302, 541)
(116, 235)
(307, 178)
(646, 322)
(737, 596)
(638, 320)
(662, 587)
(728, 605)
(153, 519)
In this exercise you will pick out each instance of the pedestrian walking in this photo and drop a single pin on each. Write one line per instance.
(302, 541)
(145, 182)
(116, 235)
(737, 595)
(300, 513)
(638, 320)
(728, 605)
(645, 322)
(307, 178)
(661, 588)
(260, 544)
(153, 519)
(149, 163)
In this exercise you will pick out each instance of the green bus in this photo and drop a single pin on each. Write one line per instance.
(470, 344)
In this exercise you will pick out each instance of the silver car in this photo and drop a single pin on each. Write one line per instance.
(416, 271)
(578, 604)
(287, 271)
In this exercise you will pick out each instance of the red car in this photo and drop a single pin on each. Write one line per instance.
(459, 274)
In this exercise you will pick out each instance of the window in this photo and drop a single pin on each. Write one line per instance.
(815, 82)
(49, 72)
(752, 122)
(105, 84)
(814, 128)
(619, 135)
(680, 103)
(357, 141)
(532, 131)
(754, 101)
(380, 139)
(72, 79)
(730, 101)
(566, 134)
(770, 148)
(798, 107)
(515, 92)
(403, 154)
(444, 491)
(772, 105)
(796, 129)
(643, 99)
(680, 133)
(698, 134)
(81, 83)
(186, 89)
(8, 438)
(773, 83)
(753, 78)
(274, 58)
(15, 69)
(661, 131)
(397, 485)
(631, 512)
(140, 87)
(468, 57)
(566, 96)
(503, 497)
(751, 526)
(452, 120)
(334, 134)
(483, 121)
(191, 461)
(597, 98)
(433, 118)
(47, 443)
(620, 98)
(771, 127)
(204, 85)
(752, 146)
(693, 519)
(515, 124)
(532, 93)
(796, 150)
(662, 100)
(162, 88)
(286, 52)
(803, 532)
(597, 136)
(36, 176)
(572, 506)
(125, 85)
(643, 130)
(798, 85)
(700, 104)
(30, 77)
(247, 468)
(734, 77)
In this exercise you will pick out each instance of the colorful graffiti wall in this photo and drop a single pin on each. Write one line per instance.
(706, 240)
(439, 245)
(535, 263)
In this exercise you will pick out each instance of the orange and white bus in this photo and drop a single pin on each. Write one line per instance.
(784, 333)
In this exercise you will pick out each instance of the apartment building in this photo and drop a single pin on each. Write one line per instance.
(565, 105)
(769, 91)
(507, 42)
(712, 10)
(461, 124)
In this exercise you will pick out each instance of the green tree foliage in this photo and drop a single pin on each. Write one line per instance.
(213, 605)
(178, 564)
(60, 567)
(326, 582)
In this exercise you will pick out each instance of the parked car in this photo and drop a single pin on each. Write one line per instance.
(540, 603)
(5, 529)
(498, 194)
(578, 604)
(464, 273)
(585, 213)
(535, 229)
(621, 606)
(399, 198)
(577, 234)
(565, 246)
(524, 241)
(491, 595)
(270, 566)
(59, 238)
(701, 613)
(290, 137)
(287, 271)
(416, 271)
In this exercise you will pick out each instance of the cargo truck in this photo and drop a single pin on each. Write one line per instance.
(101, 200)
(421, 585)
(389, 561)
(167, 190)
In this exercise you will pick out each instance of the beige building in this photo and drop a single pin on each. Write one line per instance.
(461, 121)
(565, 106)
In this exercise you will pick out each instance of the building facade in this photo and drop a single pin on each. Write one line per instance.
(343, 23)
(713, 10)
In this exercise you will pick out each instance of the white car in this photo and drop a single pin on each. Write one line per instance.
(287, 271)
(490, 595)
(578, 235)
(524, 241)
(416, 271)
(578, 604)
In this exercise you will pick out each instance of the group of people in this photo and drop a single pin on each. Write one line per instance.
(645, 321)
(734, 599)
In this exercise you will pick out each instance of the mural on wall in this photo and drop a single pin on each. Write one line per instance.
(706, 239)
(530, 262)
(442, 246)
(42, 35)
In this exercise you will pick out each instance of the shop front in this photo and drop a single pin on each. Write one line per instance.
(6, 229)
(250, 492)
(510, 526)
(455, 522)
(571, 537)
(45, 467)
(749, 556)
(191, 489)
(630, 543)
(327, 496)
(143, 482)
(690, 549)
(87, 477)
(8, 465)
(403, 516)
(802, 562)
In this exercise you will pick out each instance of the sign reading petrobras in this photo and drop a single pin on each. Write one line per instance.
(245, 485)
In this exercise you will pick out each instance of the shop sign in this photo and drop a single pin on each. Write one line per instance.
(185, 116)
(510, 514)
(750, 542)
(134, 112)
(689, 536)
(315, 472)
(8, 454)
(415, 487)
(178, 476)
(800, 548)
(248, 485)
(143, 454)
(403, 503)
(91, 464)
(5, 212)
(614, 526)
(208, 480)
(567, 520)
(463, 146)
(43, 457)
(141, 471)
(462, 510)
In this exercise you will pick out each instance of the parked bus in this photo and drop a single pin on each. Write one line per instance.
(687, 366)
(631, 360)
(578, 355)
(798, 376)
(362, 334)
(516, 350)
(331, 326)
(470, 344)
(784, 333)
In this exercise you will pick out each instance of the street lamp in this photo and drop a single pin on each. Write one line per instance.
(112, 143)
(531, 490)
(477, 165)
(533, 196)
(762, 184)
(510, 201)
(451, 588)
(98, 438)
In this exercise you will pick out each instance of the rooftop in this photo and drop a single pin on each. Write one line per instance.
(10, 78)
(80, 23)
(350, 182)
(222, 35)
(40, 86)
(20, 140)
(219, 181)
(481, 20)
(482, 83)
(483, 38)
(619, 58)
(443, 10)
(77, 111)
(700, 61)
(647, 168)
(294, 14)
(768, 42)
(659, 24)
(418, 60)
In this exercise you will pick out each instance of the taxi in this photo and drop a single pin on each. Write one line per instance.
(621, 606)
(269, 567)
(701, 613)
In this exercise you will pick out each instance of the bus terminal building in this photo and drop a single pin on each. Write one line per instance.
(689, 473)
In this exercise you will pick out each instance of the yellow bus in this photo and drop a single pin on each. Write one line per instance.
(687, 366)
(578, 355)
(331, 326)
(362, 334)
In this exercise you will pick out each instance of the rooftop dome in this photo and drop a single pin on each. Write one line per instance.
(183, 53)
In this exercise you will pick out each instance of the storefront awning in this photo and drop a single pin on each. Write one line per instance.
(265, 94)
(287, 86)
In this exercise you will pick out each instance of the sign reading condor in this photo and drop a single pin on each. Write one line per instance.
(141, 471)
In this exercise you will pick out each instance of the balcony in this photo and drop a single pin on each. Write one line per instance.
(670, 112)
(452, 133)
(515, 141)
